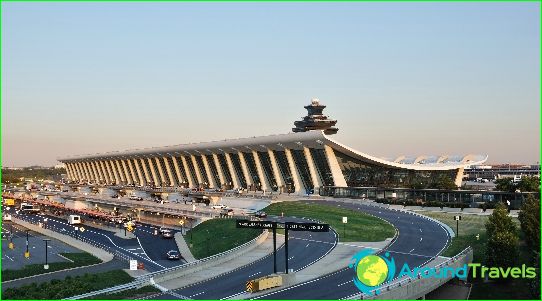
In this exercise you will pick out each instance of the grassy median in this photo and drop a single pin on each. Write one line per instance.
(216, 236)
(79, 260)
(360, 226)
(130, 294)
(69, 287)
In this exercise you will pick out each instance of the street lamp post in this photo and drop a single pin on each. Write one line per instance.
(27, 253)
(46, 266)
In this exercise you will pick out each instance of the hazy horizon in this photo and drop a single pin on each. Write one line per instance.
(400, 78)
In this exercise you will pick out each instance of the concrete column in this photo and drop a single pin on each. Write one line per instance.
(219, 170)
(161, 172)
(85, 171)
(196, 168)
(73, 174)
(236, 182)
(114, 171)
(172, 180)
(127, 174)
(298, 183)
(275, 168)
(68, 171)
(133, 173)
(140, 173)
(96, 171)
(210, 176)
(338, 177)
(146, 172)
(79, 171)
(265, 182)
(121, 175)
(155, 177)
(316, 181)
(105, 171)
(178, 170)
(191, 183)
(244, 167)
(459, 177)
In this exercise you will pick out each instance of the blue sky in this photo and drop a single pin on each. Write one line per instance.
(401, 78)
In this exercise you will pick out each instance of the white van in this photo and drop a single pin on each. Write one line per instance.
(74, 219)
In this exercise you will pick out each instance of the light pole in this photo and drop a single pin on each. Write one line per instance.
(46, 266)
(27, 253)
(11, 246)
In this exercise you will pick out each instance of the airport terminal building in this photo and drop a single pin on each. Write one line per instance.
(298, 162)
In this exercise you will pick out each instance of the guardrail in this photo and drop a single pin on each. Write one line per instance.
(144, 279)
(407, 280)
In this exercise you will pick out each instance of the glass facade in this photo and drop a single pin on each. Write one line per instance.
(358, 173)
(238, 170)
(225, 169)
(154, 166)
(322, 166)
(176, 180)
(302, 168)
(213, 170)
(111, 170)
(202, 171)
(148, 170)
(251, 164)
(192, 170)
(265, 162)
(123, 171)
(284, 168)
(131, 170)
(100, 172)
(184, 179)
(167, 180)
(140, 166)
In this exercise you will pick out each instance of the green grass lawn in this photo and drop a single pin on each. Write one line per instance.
(79, 260)
(130, 294)
(216, 236)
(360, 226)
(70, 286)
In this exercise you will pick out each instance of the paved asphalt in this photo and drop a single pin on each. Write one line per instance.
(303, 250)
(146, 247)
(418, 242)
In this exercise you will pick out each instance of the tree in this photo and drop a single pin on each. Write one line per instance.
(502, 247)
(529, 217)
(504, 184)
(528, 184)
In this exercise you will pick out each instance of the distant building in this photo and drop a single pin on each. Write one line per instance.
(297, 162)
(500, 171)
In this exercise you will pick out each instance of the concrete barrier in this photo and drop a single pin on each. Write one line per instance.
(514, 213)
(397, 207)
(183, 248)
(408, 288)
(414, 208)
(101, 254)
(432, 209)
(488, 212)
(451, 210)
(472, 210)
(381, 205)
(205, 264)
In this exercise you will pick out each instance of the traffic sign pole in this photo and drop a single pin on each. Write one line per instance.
(275, 250)
(286, 246)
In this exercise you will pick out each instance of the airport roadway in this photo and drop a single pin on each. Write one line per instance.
(305, 248)
(146, 247)
(419, 240)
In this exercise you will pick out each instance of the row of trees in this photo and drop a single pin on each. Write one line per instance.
(46, 173)
(502, 247)
(526, 184)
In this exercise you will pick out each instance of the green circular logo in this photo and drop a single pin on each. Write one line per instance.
(372, 270)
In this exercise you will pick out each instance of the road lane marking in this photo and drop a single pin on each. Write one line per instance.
(234, 295)
(341, 284)
(421, 238)
(291, 258)
(197, 294)
(411, 251)
(254, 274)
(307, 246)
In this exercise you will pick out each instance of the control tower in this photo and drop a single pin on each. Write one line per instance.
(315, 120)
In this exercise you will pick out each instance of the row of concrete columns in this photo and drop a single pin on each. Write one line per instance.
(174, 171)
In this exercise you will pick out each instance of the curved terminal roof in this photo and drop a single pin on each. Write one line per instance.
(311, 139)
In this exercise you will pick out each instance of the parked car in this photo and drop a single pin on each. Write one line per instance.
(219, 206)
(227, 212)
(167, 234)
(260, 214)
(173, 255)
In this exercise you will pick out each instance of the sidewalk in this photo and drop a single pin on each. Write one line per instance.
(93, 269)
(183, 248)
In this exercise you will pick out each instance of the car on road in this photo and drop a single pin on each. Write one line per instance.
(227, 212)
(173, 255)
(136, 198)
(260, 214)
(219, 206)
(167, 234)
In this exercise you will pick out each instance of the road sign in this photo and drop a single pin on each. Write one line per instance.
(243, 223)
(181, 222)
(311, 227)
(251, 286)
(82, 229)
(133, 265)
(457, 217)
(345, 219)
(76, 228)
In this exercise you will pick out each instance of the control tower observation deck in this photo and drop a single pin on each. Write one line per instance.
(315, 120)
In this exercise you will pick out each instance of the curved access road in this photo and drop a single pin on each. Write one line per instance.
(419, 240)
